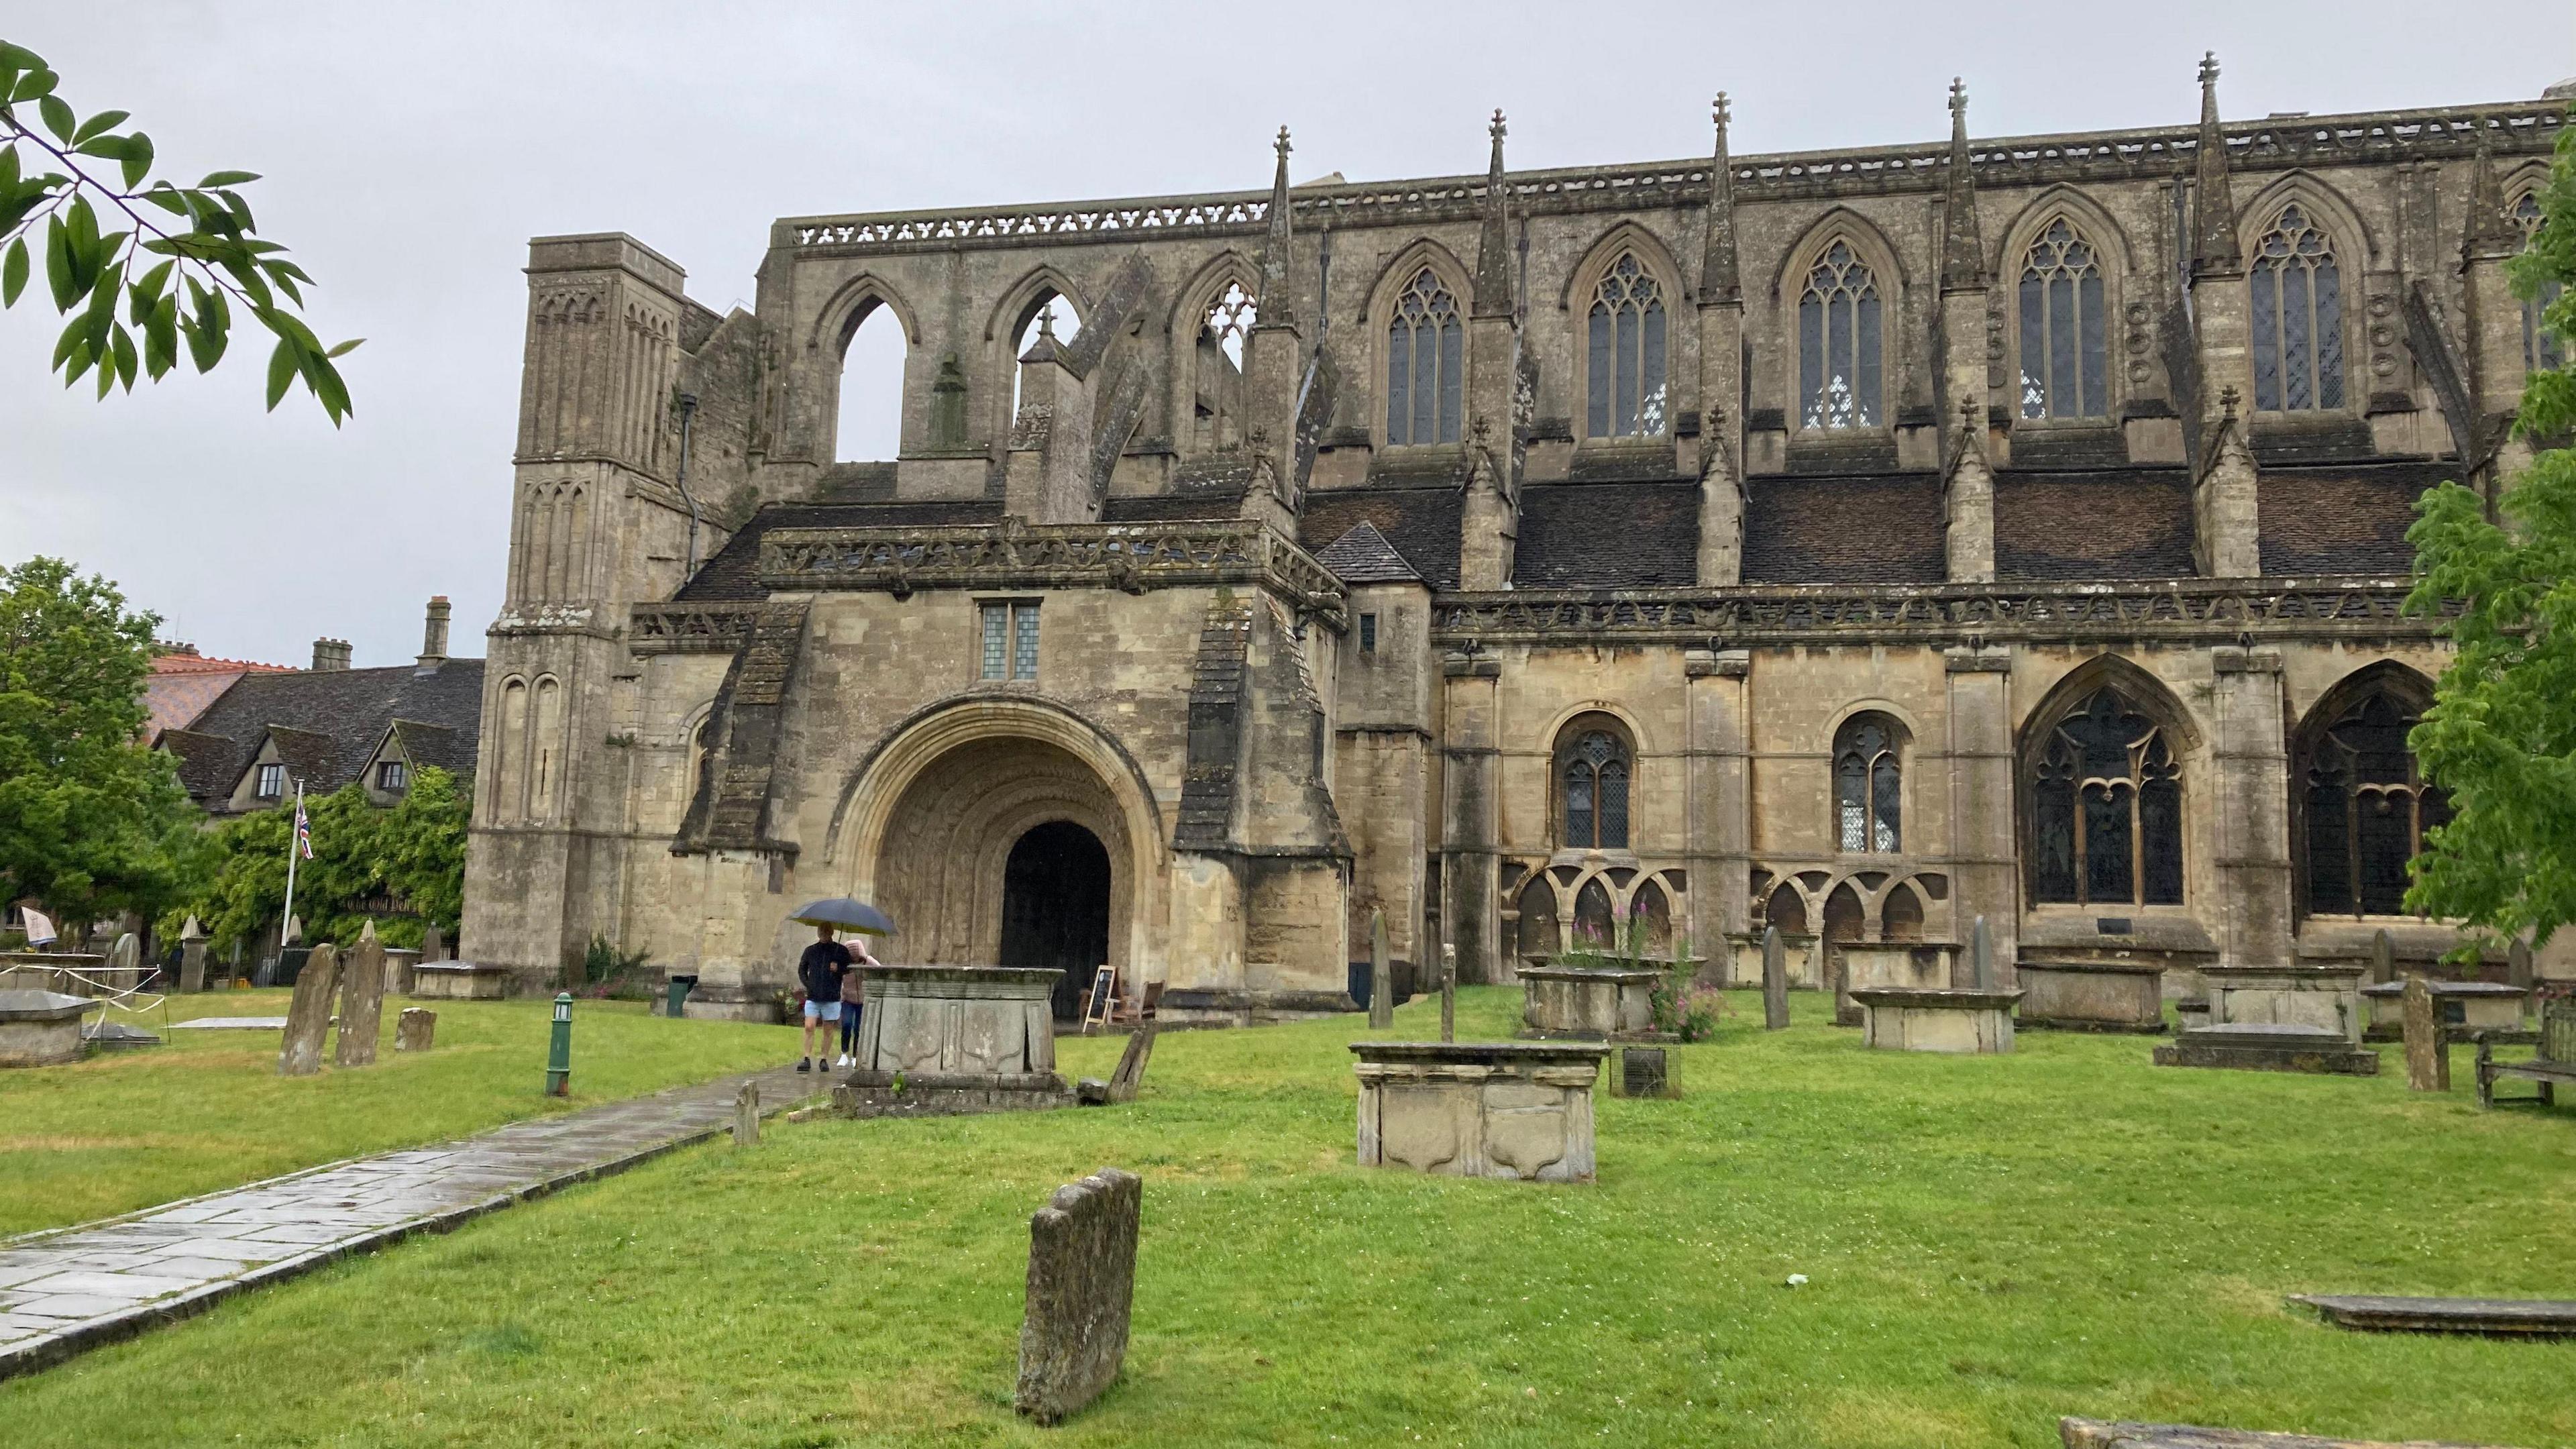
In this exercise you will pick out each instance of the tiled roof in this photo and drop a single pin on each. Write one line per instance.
(734, 571)
(2121, 523)
(1363, 556)
(1421, 524)
(208, 764)
(1608, 536)
(328, 722)
(2350, 519)
(435, 745)
(1883, 528)
(191, 662)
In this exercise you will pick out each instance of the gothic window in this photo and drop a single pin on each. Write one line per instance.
(2298, 317)
(1626, 353)
(1592, 766)
(2541, 349)
(2063, 372)
(2366, 809)
(1049, 315)
(2106, 808)
(1839, 337)
(1217, 407)
(1229, 321)
(1868, 789)
(868, 419)
(1425, 366)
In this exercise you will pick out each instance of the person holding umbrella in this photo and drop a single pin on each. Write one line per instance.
(825, 966)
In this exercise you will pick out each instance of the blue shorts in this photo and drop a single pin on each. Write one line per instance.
(822, 1010)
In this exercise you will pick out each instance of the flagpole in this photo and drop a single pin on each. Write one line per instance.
(292, 851)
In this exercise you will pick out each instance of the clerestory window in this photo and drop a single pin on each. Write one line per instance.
(1840, 343)
(2298, 317)
(1425, 364)
(2063, 370)
(1626, 353)
(2541, 349)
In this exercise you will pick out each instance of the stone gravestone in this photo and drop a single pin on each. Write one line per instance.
(1981, 956)
(2428, 1061)
(362, 1000)
(433, 945)
(309, 1015)
(2517, 967)
(1775, 981)
(1082, 1283)
(2383, 956)
(415, 1029)
(1131, 1064)
(746, 1115)
(293, 934)
(1381, 984)
(192, 957)
(126, 955)
(1448, 992)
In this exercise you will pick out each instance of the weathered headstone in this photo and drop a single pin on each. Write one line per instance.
(126, 954)
(2517, 966)
(308, 1016)
(294, 933)
(1131, 1064)
(2428, 1062)
(415, 1029)
(1381, 984)
(1981, 956)
(433, 945)
(192, 957)
(1082, 1284)
(746, 1115)
(1775, 981)
(1448, 992)
(362, 1000)
(2383, 956)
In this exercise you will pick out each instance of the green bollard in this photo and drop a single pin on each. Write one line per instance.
(559, 1053)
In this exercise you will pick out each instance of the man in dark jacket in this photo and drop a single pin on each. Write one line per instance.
(819, 971)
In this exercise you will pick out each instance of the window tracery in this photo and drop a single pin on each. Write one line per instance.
(1217, 403)
(1593, 766)
(2367, 808)
(2298, 317)
(1840, 341)
(1425, 364)
(2541, 349)
(1626, 353)
(2106, 808)
(1868, 787)
(2063, 367)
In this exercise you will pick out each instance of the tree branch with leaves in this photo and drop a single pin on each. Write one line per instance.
(210, 259)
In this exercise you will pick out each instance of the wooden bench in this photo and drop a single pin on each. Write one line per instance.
(2553, 1062)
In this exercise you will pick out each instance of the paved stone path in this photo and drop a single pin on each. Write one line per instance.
(71, 1289)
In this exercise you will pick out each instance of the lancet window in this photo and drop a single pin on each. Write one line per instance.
(2106, 808)
(2063, 370)
(1425, 364)
(1592, 766)
(1626, 353)
(1840, 343)
(2541, 349)
(1868, 786)
(1218, 406)
(2367, 808)
(2298, 317)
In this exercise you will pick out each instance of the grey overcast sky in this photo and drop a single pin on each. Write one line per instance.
(410, 151)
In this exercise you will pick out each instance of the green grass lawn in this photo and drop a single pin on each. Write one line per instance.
(1989, 1243)
(128, 1129)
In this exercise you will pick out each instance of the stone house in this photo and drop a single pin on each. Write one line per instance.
(2009, 528)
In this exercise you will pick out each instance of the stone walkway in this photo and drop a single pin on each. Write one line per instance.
(69, 1290)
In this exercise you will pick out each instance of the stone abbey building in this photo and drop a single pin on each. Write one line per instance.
(1855, 542)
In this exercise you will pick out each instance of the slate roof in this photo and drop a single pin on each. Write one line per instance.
(435, 745)
(328, 722)
(1171, 508)
(1608, 536)
(1420, 523)
(1363, 556)
(2352, 519)
(1882, 528)
(734, 572)
(2120, 523)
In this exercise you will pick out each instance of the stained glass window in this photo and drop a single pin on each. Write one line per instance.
(2298, 317)
(2541, 349)
(1594, 767)
(1425, 371)
(1839, 342)
(1627, 353)
(2367, 810)
(2062, 365)
(2106, 808)
(1868, 786)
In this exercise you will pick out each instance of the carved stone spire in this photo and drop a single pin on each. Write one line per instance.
(2490, 233)
(1718, 281)
(1278, 297)
(1963, 253)
(2215, 251)
(1493, 240)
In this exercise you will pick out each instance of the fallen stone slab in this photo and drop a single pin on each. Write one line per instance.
(2488, 1317)
(2269, 1047)
(116, 1036)
(231, 1023)
(1082, 1284)
(2095, 1434)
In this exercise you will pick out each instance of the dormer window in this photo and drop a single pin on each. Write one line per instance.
(393, 776)
(270, 782)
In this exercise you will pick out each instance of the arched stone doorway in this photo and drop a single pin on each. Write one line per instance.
(1055, 907)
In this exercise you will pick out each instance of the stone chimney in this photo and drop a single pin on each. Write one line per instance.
(433, 634)
(330, 654)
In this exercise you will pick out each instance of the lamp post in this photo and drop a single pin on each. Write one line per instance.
(559, 1052)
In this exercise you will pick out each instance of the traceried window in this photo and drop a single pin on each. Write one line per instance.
(1627, 353)
(1868, 786)
(1229, 320)
(1217, 408)
(1593, 767)
(2541, 349)
(2063, 372)
(1425, 364)
(2367, 809)
(1010, 640)
(2298, 317)
(1839, 343)
(2106, 808)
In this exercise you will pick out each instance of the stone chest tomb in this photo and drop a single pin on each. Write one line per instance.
(1518, 1110)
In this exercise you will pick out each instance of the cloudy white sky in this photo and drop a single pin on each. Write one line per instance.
(410, 151)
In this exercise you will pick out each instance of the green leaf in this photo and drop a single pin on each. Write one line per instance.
(148, 287)
(228, 178)
(345, 348)
(166, 197)
(138, 159)
(74, 340)
(38, 82)
(58, 263)
(57, 116)
(205, 346)
(281, 371)
(13, 272)
(125, 359)
(96, 124)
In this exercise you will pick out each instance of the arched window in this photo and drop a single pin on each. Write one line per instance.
(1839, 343)
(1425, 364)
(1868, 790)
(2366, 807)
(2541, 349)
(1593, 925)
(2298, 317)
(510, 749)
(1217, 408)
(1048, 314)
(1538, 918)
(2063, 372)
(1592, 768)
(2106, 808)
(868, 424)
(1626, 354)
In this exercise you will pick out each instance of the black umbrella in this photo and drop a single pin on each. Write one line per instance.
(847, 914)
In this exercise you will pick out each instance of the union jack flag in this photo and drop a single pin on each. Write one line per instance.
(303, 832)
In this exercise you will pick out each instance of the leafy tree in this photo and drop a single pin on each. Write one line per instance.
(206, 242)
(413, 853)
(91, 823)
(2501, 736)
